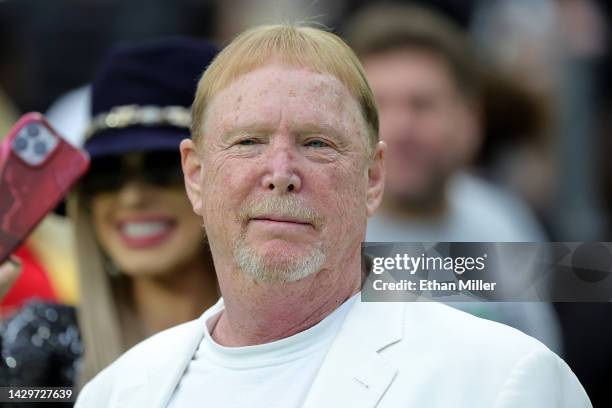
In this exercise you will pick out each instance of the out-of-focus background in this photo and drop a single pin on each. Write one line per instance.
(546, 104)
(547, 139)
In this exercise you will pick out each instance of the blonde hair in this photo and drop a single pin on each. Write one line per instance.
(299, 46)
(108, 326)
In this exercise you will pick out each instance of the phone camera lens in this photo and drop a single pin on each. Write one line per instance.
(33, 131)
(20, 144)
(40, 148)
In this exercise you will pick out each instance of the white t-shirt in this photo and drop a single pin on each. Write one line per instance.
(478, 212)
(277, 374)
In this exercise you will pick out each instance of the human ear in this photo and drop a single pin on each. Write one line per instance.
(192, 173)
(376, 178)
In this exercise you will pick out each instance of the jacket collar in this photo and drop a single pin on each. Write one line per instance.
(353, 373)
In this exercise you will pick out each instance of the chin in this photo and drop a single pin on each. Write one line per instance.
(149, 262)
(283, 252)
(279, 263)
(137, 269)
(410, 191)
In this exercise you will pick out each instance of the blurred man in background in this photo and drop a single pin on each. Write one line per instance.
(427, 83)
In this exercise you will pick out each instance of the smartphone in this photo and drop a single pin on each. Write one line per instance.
(37, 169)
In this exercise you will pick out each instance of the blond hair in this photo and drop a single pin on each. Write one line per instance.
(298, 46)
(108, 326)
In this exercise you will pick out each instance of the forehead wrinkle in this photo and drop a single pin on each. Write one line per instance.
(325, 94)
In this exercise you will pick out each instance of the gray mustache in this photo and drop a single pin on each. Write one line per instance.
(282, 207)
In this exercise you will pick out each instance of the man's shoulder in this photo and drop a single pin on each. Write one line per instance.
(494, 364)
(466, 329)
(147, 357)
(441, 329)
(507, 217)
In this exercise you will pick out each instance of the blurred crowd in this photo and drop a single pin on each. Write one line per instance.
(497, 115)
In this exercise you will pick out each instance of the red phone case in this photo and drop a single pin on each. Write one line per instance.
(37, 169)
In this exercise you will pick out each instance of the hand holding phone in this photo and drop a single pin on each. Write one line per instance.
(37, 169)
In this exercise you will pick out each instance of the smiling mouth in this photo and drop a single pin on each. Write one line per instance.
(143, 234)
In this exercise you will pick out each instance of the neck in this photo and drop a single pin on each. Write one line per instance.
(175, 298)
(258, 313)
(432, 207)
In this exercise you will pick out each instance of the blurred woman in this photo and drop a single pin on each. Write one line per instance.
(143, 261)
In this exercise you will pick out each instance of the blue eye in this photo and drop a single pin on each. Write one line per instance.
(317, 143)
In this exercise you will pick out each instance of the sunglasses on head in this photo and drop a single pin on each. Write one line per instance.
(109, 174)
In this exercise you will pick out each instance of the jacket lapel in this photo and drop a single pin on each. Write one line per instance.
(353, 373)
(156, 389)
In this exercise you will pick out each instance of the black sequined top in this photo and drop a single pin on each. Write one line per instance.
(40, 346)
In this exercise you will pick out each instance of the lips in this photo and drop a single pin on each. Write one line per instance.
(280, 219)
(276, 226)
(146, 232)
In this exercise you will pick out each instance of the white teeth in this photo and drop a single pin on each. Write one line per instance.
(143, 229)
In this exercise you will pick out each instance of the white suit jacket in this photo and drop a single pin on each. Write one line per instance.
(420, 355)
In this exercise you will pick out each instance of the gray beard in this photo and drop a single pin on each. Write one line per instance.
(272, 270)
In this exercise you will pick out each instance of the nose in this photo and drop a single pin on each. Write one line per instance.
(132, 193)
(282, 175)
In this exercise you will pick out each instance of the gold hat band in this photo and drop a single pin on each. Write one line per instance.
(136, 115)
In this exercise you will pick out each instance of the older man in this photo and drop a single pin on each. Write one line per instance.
(284, 167)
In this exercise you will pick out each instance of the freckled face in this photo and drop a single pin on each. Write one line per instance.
(284, 170)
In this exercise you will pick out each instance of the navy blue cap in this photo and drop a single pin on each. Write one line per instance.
(156, 74)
